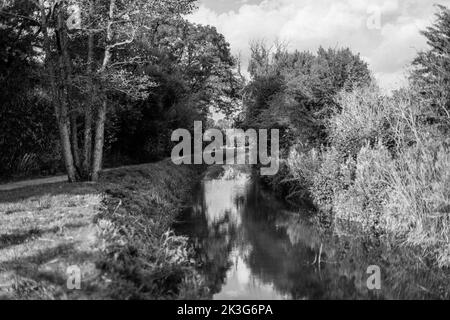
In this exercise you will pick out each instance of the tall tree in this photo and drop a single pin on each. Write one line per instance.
(193, 71)
(81, 43)
(432, 66)
(295, 91)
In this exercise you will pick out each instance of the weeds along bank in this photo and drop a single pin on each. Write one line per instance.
(386, 166)
(116, 232)
(146, 258)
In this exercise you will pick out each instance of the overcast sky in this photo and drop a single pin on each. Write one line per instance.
(384, 32)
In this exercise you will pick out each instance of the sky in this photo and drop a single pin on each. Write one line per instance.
(386, 33)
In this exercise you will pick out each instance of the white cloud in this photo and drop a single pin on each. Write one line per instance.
(307, 24)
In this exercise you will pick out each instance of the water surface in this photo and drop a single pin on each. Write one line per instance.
(249, 245)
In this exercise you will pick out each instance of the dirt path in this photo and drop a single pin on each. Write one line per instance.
(42, 181)
(33, 182)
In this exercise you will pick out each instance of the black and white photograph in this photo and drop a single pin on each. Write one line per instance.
(244, 151)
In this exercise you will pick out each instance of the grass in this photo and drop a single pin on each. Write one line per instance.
(117, 232)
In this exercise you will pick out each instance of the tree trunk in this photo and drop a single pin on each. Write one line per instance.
(87, 148)
(101, 115)
(99, 141)
(58, 98)
(74, 142)
(66, 75)
(63, 125)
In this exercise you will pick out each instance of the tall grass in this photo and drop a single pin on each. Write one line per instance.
(147, 260)
(387, 166)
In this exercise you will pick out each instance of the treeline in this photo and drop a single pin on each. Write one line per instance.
(92, 81)
(356, 153)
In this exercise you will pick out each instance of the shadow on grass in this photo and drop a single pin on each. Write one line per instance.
(20, 236)
(7, 240)
(47, 269)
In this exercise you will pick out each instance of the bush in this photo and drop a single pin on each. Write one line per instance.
(328, 180)
(295, 176)
(29, 138)
(367, 189)
(364, 116)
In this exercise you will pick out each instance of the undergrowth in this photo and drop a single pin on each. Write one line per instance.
(144, 257)
(386, 166)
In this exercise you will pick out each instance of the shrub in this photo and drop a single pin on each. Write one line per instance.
(327, 180)
(363, 116)
(295, 177)
(368, 188)
(303, 165)
(29, 141)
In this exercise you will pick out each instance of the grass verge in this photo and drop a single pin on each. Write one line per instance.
(117, 232)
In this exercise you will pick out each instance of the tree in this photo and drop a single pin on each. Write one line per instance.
(192, 70)
(82, 40)
(432, 67)
(201, 56)
(295, 91)
(28, 139)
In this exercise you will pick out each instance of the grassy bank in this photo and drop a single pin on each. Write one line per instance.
(386, 167)
(117, 232)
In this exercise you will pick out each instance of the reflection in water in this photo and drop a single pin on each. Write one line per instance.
(250, 247)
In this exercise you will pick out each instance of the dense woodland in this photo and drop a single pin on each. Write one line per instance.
(108, 84)
(116, 80)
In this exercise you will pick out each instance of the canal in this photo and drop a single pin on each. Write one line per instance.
(250, 245)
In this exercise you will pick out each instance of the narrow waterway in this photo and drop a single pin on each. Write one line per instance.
(248, 245)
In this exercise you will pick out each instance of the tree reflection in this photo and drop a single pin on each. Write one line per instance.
(249, 246)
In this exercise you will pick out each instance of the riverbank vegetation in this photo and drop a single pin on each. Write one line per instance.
(360, 154)
(117, 232)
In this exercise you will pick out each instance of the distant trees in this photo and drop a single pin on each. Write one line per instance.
(192, 71)
(296, 90)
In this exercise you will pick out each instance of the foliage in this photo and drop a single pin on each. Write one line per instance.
(28, 139)
(367, 188)
(145, 70)
(296, 91)
(193, 71)
(28, 136)
(148, 260)
(363, 117)
(431, 73)
(380, 160)
(390, 176)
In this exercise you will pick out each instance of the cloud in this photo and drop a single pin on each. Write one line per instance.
(307, 24)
